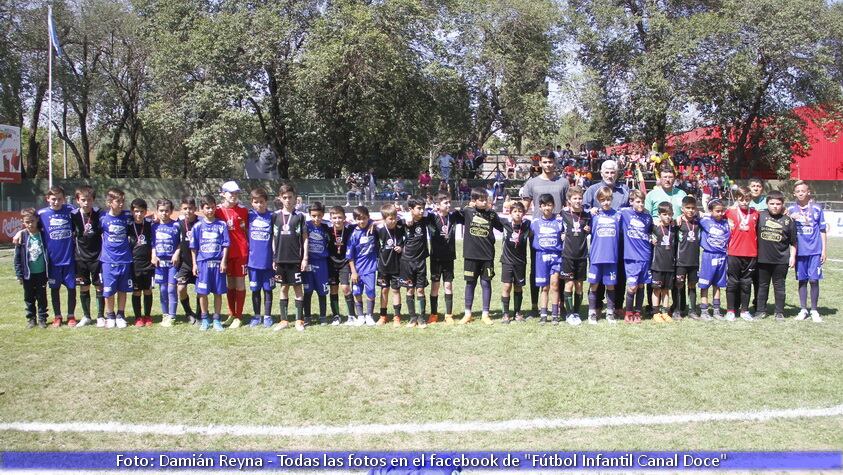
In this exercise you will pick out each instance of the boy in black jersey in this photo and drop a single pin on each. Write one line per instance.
(140, 239)
(442, 255)
(479, 251)
(339, 271)
(184, 275)
(390, 242)
(516, 239)
(574, 253)
(687, 260)
(776, 252)
(88, 236)
(290, 255)
(413, 262)
(664, 239)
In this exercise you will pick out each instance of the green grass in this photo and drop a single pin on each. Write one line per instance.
(341, 375)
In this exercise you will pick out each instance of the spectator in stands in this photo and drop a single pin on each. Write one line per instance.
(446, 162)
(354, 182)
(398, 189)
(424, 183)
(444, 187)
(535, 165)
(500, 183)
(371, 186)
(479, 159)
(464, 190)
(511, 166)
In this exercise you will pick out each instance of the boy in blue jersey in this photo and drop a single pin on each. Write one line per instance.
(261, 275)
(166, 237)
(116, 258)
(316, 275)
(362, 256)
(56, 221)
(547, 241)
(209, 247)
(811, 243)
(714, 238)
(603, 268)
(636, 226)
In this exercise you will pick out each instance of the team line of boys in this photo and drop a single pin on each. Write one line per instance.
(118, 251)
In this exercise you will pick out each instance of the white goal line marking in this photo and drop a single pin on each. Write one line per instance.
(376, 429)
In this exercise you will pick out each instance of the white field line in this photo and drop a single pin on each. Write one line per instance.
(456, 427)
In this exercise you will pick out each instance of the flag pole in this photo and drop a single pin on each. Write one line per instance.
(50, 98)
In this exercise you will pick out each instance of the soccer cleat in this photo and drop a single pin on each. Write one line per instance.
(138, 321)
(759, 316)
(730, 316)
(411, 323)
(370, 321)
(336, 321)
(433, 318)
(218, 326)
(71, 322)
(267, 321)
(677, 315)
(56, 322)
(802, 315)
(191, 319)
(465, 320)
(235, 323)
(382, 321)
(667, 318)
(281, 325)
(592, 319)
(505, 319)
(85, 321)
(422, 323)
(815, 317)
(779, 317)
(542, 319)
(204, 325)
(121, 322)
(716, 315)
(42, 323)
(255, 321)
(628, 317)
(487, 320)
(299, 325)
(572, 320)
(746, 316)
(167, 321)
(147, 321)
(693, 315)
(323, 320)
(657, 318)
(554, 320)
(30, 323)
(361, 320)
(100, 322)
(610, 317)
(396, 321)
(519, 318)
(636, 317)
(449, 320)
(228, 321)
(350, 321)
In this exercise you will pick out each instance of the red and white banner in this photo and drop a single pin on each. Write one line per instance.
(10, 151)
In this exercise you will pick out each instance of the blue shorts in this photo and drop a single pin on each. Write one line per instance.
(365, 282)
(808, 268)
(606, 274)
(263, 279)
(712, 270)
(210, 280)
(165, 273)
(116, 278)
(315, 278)
(546, 264)
(637, 273)
(59, 275)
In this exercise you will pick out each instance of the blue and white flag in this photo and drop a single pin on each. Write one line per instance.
(54, 38)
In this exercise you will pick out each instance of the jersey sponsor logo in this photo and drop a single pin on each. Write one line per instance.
(479, 227)
(210, 234)
(606, 231)
(58, 221)
(163, 248)
(548, 241)
(116, 233)
(60, 234)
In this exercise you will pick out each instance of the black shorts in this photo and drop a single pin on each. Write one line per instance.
(88, 273)
(413, 274)
(687, 274)
(574, 269)
(514, 274)
(661, 279)
(143, 280)
(441, 270)
(339, 275)
(288, 274)
(391, 281)
(184, 276)
(474, 268)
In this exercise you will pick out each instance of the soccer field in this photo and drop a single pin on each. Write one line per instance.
(352, 377)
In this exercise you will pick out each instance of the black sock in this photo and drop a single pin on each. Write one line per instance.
(71, 302)
(55, 300)
(306, 304)
(639, 299)
(592, 301)
(136, 305)
(411, 306)
(434, 304)
(422, 305)
(517, 301)
(396, 310)
(284, 312)
(505, 305)
(349, 302)
(267, 303)
(569, 301)
(335, 304)
(185, 305)
(85, 300)
(323, 305)
(577, 302)
(383, 311)
(449, 304)
(147, 305)
(630, 300)
(256, 302)
(299, 305)
(692, 296)
(610, 300)
(100, 304)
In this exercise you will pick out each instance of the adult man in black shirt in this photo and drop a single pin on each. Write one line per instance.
(443, 253)
(87, 232)
(776, 252)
